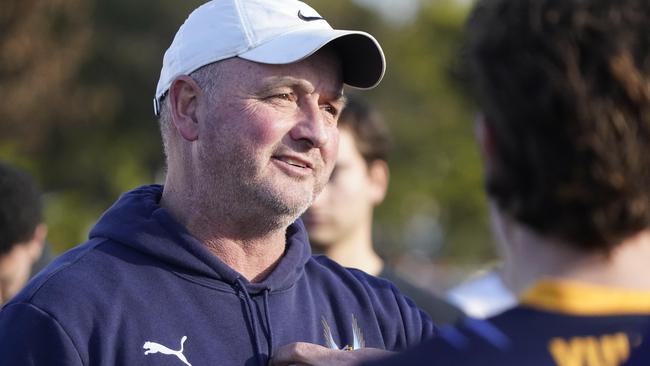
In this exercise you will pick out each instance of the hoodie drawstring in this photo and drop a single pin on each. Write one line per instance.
(249, 306)
(267, 314)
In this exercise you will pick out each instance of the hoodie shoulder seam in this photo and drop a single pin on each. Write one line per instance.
(98, 241)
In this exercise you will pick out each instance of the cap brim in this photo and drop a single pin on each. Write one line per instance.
(361, 56)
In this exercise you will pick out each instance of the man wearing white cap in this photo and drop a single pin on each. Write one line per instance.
(214, 268)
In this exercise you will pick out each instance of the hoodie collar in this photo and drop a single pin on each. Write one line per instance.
(137, 220)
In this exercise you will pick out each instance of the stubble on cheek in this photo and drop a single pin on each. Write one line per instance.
(319, 185)
(326, 165)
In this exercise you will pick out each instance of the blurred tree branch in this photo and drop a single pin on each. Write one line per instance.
(42, 47)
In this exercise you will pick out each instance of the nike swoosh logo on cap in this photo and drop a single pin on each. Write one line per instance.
(306, 18)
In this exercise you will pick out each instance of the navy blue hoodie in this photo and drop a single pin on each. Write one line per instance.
(143, 291)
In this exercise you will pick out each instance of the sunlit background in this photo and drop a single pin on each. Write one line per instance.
(77, 78)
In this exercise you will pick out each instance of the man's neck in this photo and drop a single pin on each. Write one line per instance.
(252, 253)
(356, 251)
(254, 260)
(626, 267)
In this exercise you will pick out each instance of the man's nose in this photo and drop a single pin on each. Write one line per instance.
(311, 125)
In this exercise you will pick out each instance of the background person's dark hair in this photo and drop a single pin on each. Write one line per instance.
(565, 87)
(371, 134)
(20, 207)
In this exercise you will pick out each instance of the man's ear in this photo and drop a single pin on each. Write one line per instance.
(485, 139)
(379, 176)
(184, 95)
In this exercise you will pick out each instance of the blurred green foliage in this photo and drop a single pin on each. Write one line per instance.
(77, 78)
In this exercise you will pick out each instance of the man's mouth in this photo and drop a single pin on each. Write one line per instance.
(294, 161)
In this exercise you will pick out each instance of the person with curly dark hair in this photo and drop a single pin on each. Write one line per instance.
(22, 230)
(564, 92)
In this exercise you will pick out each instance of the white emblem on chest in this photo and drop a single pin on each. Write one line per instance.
(153, 347)
(357, 336)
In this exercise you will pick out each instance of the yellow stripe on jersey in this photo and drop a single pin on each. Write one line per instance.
(579, 298)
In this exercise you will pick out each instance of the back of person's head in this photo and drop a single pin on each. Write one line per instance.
(20, 207)
(371, 134)
(565, 89)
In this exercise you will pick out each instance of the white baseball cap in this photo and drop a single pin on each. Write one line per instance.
(269, 32)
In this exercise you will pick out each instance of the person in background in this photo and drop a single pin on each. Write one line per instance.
(563, 88)
(22, 230)
(215, 267)
(339, 222)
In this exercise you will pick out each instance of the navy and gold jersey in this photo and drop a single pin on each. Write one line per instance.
(556, 323)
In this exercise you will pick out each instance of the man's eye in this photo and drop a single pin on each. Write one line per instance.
(330, 109)
(285, 96)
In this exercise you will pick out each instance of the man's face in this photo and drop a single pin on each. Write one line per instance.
(268, 140)
(15, 268)
(347, 202)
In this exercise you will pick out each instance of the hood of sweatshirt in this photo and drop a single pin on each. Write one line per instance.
(143, 280)
(137, 220)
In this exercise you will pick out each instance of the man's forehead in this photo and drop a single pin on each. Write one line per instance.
(307, 74)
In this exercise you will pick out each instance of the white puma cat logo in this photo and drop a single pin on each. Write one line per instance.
(153, 347)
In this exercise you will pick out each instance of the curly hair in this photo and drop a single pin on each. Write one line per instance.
(565, 88)
(20, 207)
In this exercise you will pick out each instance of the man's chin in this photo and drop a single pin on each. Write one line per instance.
(289, 212)
(286, 204)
